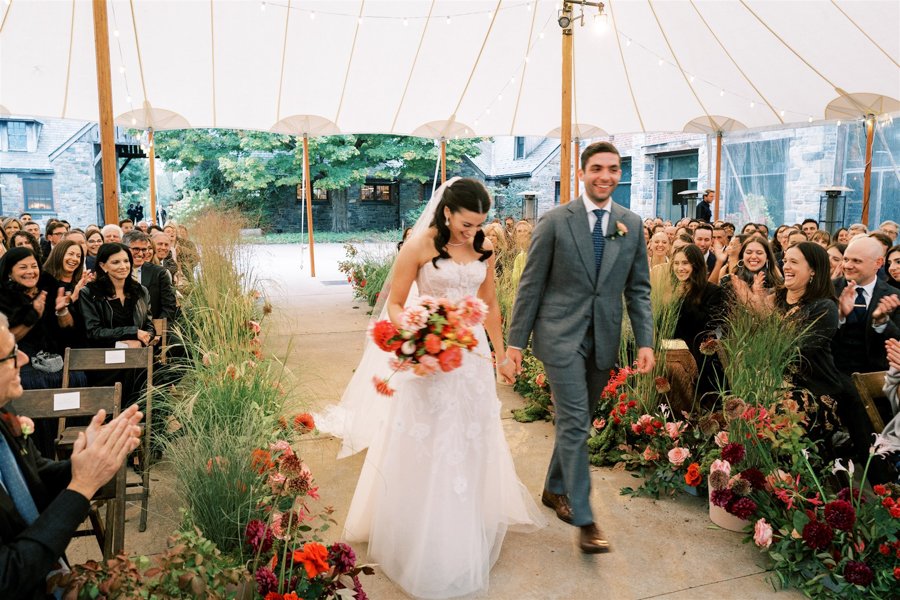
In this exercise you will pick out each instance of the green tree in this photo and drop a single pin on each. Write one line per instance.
(244, 168)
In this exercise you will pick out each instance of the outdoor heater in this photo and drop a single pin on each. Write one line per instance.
(529, 201)
(832, 207)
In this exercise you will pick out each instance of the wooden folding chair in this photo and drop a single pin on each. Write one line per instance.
(106, 359)
(162, 330)
(85, 402)
(869, 386)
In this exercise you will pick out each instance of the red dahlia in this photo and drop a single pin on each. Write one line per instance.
(755, 477)
(817, 535)
(858, 573)
(722, 498)
(742, 508)
(733, 453)
(840, 515)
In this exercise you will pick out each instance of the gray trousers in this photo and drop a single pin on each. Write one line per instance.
(576, 391)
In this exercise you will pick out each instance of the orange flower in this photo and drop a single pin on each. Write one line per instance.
(291, 596)
(261, 460)
(450, 359)
(304, 422)
(382, 387)
(432, 344)
(693, 477)
(314, 557)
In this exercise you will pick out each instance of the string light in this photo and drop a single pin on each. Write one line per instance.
(781, 113)
(262, 6)
(448, 19)
(692, 79)
(312, 15)
(359, 21)
(541, 35)
(721, 92)
(116, 32)
(838, 123)
(490, 15)
(660, 62)
(752, 104)
(122, 70)
(405, 22)
(809, 120)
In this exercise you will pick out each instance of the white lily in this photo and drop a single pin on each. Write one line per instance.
(884, 445)
(840, 467)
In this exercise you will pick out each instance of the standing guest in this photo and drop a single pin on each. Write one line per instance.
(842, 236)
(497, 236)
(126, 225)
(43, 502)
(857, 229)
(763, 230)
(729, 229)
(34, 228)
(183, 249)
(892, 260)
(779, 241)
(890, 229)
(809, 227)
(748, 229)
(23, 238)
(836, 258)
(720, 236)
(510, 229)
(704, 212)
(154, 278)
(700, 314)
(795, 237)
(659, 249)
(112, 234)
(692, 225)
(25, 218)
(821, 237)
(727, 259)
(703, 240)
(11, 226)
(94, 241)
(522, 241)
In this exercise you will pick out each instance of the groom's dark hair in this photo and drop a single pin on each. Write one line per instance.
(598, 148)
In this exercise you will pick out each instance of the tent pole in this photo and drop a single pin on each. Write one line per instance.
(565, 137)
(718, 172)
(309, 217)
(105, 105)
(575, 157)
(443, 160)
(152, 178)
(867, 177)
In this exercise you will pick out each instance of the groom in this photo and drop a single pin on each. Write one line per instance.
(584, 256)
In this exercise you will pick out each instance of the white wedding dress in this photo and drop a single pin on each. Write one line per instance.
(438, 489)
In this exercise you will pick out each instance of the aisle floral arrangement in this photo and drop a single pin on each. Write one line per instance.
(366, 272)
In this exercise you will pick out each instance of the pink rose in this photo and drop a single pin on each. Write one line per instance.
(721, 465)
(599, 424)
(677, 456)
(674, 429)
(427, 365)
(762, 534)
(721, 439)
(651, 455)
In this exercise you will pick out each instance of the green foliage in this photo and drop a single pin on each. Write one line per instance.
(366, 272)
(331, 237)
(533, 385)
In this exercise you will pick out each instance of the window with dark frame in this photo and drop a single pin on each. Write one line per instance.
(319, 194)
(376, 191)
(38, 194)
(17, 136)
(520, 148)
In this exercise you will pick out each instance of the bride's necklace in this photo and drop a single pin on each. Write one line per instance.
(449, 243)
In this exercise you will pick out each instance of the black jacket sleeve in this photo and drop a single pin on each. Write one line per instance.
(97, 325)
(168, 307)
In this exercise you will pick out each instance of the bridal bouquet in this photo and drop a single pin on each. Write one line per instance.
(432, 336)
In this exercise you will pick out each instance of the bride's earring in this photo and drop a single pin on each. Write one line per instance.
(447, 221)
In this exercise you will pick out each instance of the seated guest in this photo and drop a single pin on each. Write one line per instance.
(794, 237)
(841, 236)
(34, 228)
(54, 233)
(836, 258)
(822, 238)
(94, 241)
(809, 227)
(43, 502)
(658, 249)
(756, 265)
(886, 244)
(163, 252)
(10, 226)
(892, 264)
(23, 238)
(112, 233)
(779, 241)
(64, 272)
(701, 312)
(727, 259)
(154, 278)
(703, 240)
(126, 225)
(892, 391)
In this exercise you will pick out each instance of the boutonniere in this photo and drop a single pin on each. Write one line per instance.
(621, 231)
(19, 426)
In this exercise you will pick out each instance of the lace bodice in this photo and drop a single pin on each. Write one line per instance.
(451, 280)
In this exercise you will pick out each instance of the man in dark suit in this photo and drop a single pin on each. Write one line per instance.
(703, 238)
(42, 502)
(704, 212)
(866, 320)
(586, 257)
(153, 277)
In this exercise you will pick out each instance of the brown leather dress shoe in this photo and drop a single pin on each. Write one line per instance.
(560, 504)
(591, 540)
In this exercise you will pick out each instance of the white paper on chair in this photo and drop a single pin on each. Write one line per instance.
(115, 357)
(121, 344)
(67, 401)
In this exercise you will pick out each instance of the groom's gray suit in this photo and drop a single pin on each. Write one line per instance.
(576, 316)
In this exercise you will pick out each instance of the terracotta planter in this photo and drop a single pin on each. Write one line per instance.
(725, 519)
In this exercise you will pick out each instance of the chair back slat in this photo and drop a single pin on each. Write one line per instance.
(107, 359)
(69, 402)
(870, 387)
(161, 326)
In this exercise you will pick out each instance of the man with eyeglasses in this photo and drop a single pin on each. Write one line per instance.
(43, 502)
(53, 235)
(153, 277)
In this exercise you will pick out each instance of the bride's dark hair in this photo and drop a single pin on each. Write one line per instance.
(468, 194)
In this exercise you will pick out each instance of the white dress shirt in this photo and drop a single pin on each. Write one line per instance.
(590, 207)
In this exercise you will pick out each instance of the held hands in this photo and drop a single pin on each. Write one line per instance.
(511, 365)
(645, 360)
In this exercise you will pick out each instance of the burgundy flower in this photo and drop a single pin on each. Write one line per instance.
(722, 498)
(755, 477)
(844, 494)
(258, 537)
(840, 515)
(740, 486)
(858, 573)
(817, 535)
(733, 453)
(357, 587)
(342, 557)
(742, 508)
(266, 581)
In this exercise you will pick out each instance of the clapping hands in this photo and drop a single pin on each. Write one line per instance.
(101, 449)
(893, 353)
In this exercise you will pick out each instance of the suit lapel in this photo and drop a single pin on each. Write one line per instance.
(611, 248)
(578, 224)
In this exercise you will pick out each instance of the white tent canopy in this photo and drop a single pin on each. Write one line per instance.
(448, 68)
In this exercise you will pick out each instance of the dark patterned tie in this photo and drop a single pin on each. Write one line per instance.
(599, 240)
(858, 314)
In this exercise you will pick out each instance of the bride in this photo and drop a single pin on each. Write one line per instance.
(438, 489)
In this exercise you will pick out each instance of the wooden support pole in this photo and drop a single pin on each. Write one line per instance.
(718, 173)
(152, 156)
(867, 176)
(107, 127)
(309, 215)
(443, 160)
(565, 137)
(577, 159)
